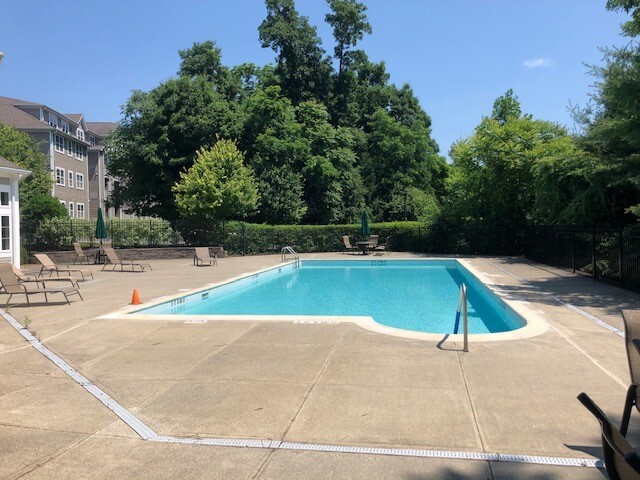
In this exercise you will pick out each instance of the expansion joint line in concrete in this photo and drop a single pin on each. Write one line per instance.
(578, 310)
(148, 434)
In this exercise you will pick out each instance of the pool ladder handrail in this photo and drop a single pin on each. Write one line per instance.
(462, 304)
(289, 249)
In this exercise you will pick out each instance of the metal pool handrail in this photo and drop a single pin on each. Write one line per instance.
(462, 304)
(289, 249)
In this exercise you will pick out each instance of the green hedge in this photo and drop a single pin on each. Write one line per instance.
(235, 237)
(248, 238)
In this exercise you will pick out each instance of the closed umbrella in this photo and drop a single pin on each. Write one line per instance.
(365, 224)
(101, 228)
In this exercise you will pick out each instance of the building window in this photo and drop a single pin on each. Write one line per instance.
(59, 143)
(60, 176)
(79, 151)
(64, 126)
(81, 210)
(79, 181)
(71, 209)
(92, 140)
(53, 120)
(5, 235)
(80, 134)
(69, 148)
(4, 199)
(70, 175)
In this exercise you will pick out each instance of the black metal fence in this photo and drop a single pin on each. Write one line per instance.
(609, 254)
(59, 234)
(235, 237)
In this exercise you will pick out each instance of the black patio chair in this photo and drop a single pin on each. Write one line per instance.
(620, 458)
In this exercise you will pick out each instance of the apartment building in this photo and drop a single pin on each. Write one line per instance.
(64, 140)
(100, 182)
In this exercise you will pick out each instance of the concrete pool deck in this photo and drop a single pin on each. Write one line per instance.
(322, 384)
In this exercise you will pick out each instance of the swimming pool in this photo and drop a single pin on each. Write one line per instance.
(415, 295)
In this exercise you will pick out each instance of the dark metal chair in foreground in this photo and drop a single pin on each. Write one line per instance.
(620, 459)
(631, 333)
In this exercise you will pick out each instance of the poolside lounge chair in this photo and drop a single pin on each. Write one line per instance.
(631, 320)
(112, 259)
(202, 255)
(620, 458)
(34, 278)
(347, 244)
(12, 285)
(80, 254)
(49, 266)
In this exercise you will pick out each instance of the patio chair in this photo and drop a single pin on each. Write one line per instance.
(34, 278)
(631, 320)
(347, 244)
(12, 285)
(112, 259)
(380, 249)
(620, 459)
(202, 255)
(373, 242)
(50, 267)
(80, 254)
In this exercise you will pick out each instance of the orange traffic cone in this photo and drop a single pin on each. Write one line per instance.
(135, 299)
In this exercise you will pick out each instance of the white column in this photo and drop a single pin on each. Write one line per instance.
(52, 164)
(15, 223)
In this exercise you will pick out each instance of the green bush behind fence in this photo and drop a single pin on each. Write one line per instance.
(235, 237)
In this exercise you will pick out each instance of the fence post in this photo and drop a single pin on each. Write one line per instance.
(593, 251)
(620, 254)
(573, 251)
(244, 240)
(71, 229)
(558, 246)
(150, 234)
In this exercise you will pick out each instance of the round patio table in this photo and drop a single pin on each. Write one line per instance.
(364, 247)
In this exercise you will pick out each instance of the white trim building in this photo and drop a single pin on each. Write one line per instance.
(10, 176)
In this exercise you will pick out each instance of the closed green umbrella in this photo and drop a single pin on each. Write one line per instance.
(101, 228)
(365, 224)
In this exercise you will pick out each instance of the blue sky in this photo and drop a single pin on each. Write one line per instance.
(86, 57)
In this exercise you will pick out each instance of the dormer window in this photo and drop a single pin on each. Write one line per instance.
(53, 120)
(80, 134)
(92, 140)
(65, 126)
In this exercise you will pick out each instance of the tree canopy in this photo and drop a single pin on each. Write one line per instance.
(324, 141)
(218, 185)
(35, 191)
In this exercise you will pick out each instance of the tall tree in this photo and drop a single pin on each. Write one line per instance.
(349, 23)
(506, 107)
(218, 186)
(276, 151)
(159, 136)
(612, 125)
(514, 170)
(301, 65)
(35, 191)
(397, 158)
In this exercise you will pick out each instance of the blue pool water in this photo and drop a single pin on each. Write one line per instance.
(420, 295)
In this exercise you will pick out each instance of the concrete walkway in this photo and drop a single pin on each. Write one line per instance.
(311, 384)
